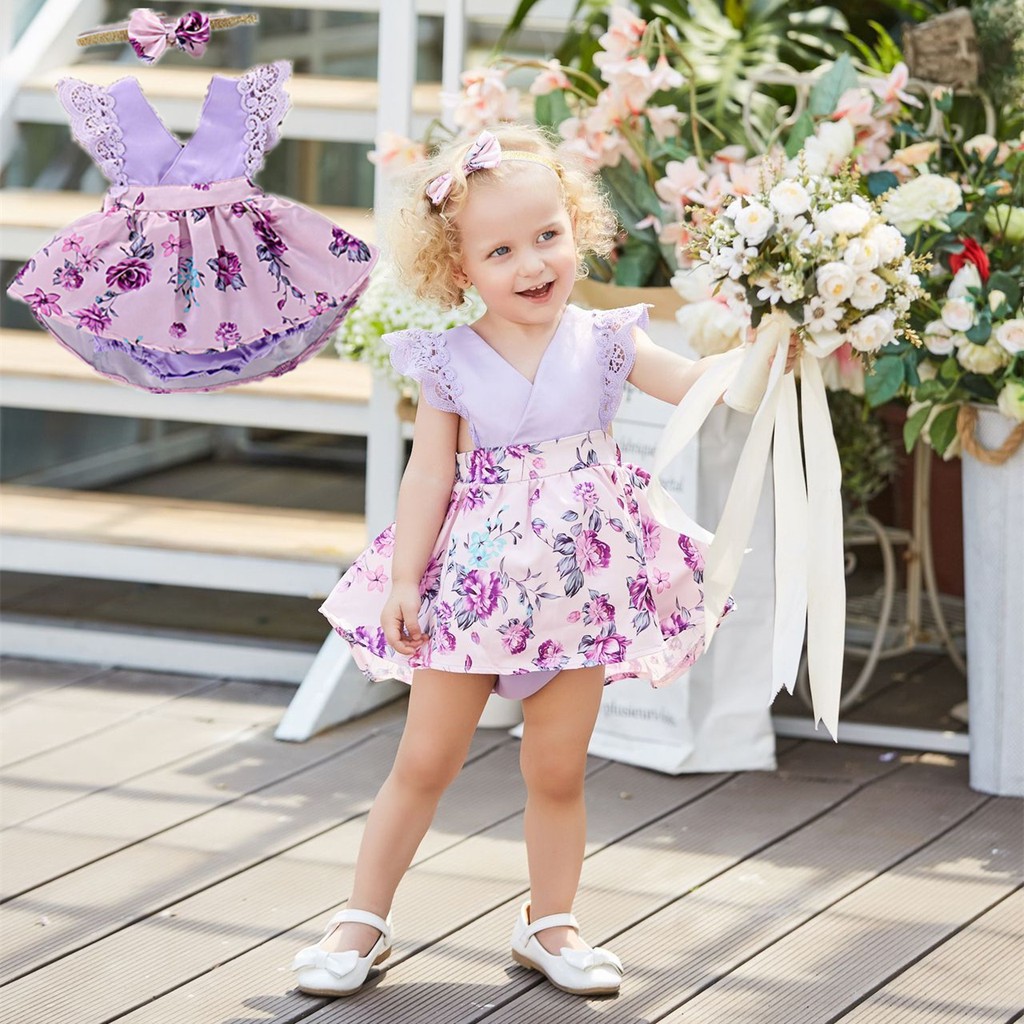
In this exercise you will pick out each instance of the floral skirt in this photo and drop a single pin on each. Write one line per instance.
(548, 558)
(195, 287)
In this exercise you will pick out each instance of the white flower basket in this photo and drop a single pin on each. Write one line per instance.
(993, 497)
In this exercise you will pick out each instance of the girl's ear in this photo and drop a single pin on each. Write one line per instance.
(461, 278)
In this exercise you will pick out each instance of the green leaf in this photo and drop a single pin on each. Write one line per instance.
(885, 381)
(1008, 284)
(879, 182)
(913, 427)
(980, 332)
(803, 127)
(956, 219)
(930, 391)
(943, 429)
(551, 109)
(636, 263)
(824, 97)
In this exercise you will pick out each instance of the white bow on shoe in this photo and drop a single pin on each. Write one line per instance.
(340, 974)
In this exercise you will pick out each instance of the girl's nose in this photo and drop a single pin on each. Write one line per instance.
(531, 264)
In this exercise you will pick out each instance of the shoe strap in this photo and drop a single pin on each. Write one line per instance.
(552, 921)
(361, 917)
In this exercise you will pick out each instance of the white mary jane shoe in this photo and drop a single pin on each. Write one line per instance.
(340, 974)
(581, 972)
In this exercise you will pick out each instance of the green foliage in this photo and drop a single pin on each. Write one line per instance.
(866, 455)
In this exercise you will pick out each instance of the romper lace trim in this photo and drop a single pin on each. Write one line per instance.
(94, 124)
(265, 102)
(424, 356)
(616, 352)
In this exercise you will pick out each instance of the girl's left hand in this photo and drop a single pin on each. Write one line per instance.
(794, 352)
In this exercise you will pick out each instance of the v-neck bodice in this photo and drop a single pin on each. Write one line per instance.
(121, 130)
(577, 386)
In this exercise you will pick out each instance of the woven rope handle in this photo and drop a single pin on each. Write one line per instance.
(119, 33)
(966, 423)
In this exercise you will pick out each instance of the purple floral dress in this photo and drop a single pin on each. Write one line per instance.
(548, 557)
(191, 278)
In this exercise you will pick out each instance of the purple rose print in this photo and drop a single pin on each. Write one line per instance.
(227, 333)
(598, 610)
(444, 639)
(592, 553)
(607, 648)
(373, 640)
(587, 493)
(651, 535)
(550, 654)
(228, 268)
(481, 592)
(238, 209)
(357, 251)
(272, 241)
(129, 275)
(384, 543)
(68, 277)
(177, 330)
(193, 31)
(515, 636)
(691, 554)
(92, 318)
(640, 596)
(44, 303)
(472, 498)
(484, 466)
(431, 578)
(676, 623)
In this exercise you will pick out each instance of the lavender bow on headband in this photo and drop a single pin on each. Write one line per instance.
(485, 153)
(150, 36)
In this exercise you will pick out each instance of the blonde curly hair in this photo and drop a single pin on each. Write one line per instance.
(424, 239)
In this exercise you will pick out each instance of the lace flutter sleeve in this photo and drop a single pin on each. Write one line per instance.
(613, 330)
(94, 124)
(265, 102)
(423, 355)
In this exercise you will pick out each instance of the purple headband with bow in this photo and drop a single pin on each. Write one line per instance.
(484, 154)
(150, 35)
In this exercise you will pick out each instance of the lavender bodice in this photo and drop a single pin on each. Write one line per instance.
(118, 127)
(577, 387)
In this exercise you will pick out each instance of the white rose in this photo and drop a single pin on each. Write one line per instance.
(981, 358)
(927, 371)
(891, 244)
(980, 144)
(870, 333)
(789, 198)
(754, 222)
(868, 291)
(835, 282)
(843, 219)
(825, 150)
(964, 279)
(1011, 400)
(696, 283)
(995, 299)
(1010, 334)
(958, 314)
(926, 199)
(938, 338)
(862, 255)
(710, 327)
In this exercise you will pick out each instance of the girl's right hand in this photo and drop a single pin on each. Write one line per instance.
(400, 619)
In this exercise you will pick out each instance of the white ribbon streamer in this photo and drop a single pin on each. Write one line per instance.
(810, 578)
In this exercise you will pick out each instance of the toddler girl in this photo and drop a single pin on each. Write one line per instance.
(524, 560)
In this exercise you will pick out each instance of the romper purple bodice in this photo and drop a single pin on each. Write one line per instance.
(119, 128)
(577, 387)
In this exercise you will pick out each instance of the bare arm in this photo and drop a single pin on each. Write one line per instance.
(422, 502)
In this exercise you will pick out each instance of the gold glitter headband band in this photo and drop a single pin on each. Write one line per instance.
(119, 33)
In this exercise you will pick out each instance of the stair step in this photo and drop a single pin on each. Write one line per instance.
(326, 108)
(173, 541)
(30, 217)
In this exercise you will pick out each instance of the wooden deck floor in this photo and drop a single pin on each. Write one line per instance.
(163, 857)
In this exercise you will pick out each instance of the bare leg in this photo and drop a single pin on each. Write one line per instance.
(444, 709)
(559, 719)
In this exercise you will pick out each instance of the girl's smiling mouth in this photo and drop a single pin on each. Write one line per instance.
(538, 294)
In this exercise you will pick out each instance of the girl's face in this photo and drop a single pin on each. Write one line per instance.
(518, 247)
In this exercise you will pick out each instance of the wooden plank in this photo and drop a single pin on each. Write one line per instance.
(131, 748)
(220, 921)
(323, 379)
(717, 919)
(88, 904)
(876, 932)
(60, 716)
(103, 822)
(974, 978)
(167, 524)
(22, 679)
(464, 880)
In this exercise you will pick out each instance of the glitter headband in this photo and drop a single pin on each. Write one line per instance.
(150, 33)
(484, 154)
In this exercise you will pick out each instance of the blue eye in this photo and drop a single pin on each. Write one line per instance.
(501, 250)
(546, 236)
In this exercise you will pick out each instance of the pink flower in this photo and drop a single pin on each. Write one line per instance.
(598, 610)
(515, 635)
(395, 151)
(72, 243)
(481, 592)
(607, 649)
(177, 329)
(384, 543)
(855, 105)
(129, 275)
(573, 617)
(376, 579)
(592, 553)
(485, 100)
(661, 581)
(92, 318)
(625, 31)
(652, 536)
(891, 89)
(171, 245)
(550, 79)
(587, 493)
(44, 303)
(681, 182)
(664, 121)
(550, 654)
(640, 596)
(69, 278)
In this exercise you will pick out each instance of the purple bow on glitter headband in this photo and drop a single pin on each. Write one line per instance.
(150, 36)
(485, 153)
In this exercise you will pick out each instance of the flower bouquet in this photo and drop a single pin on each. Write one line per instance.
(815, 257)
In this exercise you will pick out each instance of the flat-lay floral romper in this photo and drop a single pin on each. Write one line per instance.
(548, 557)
